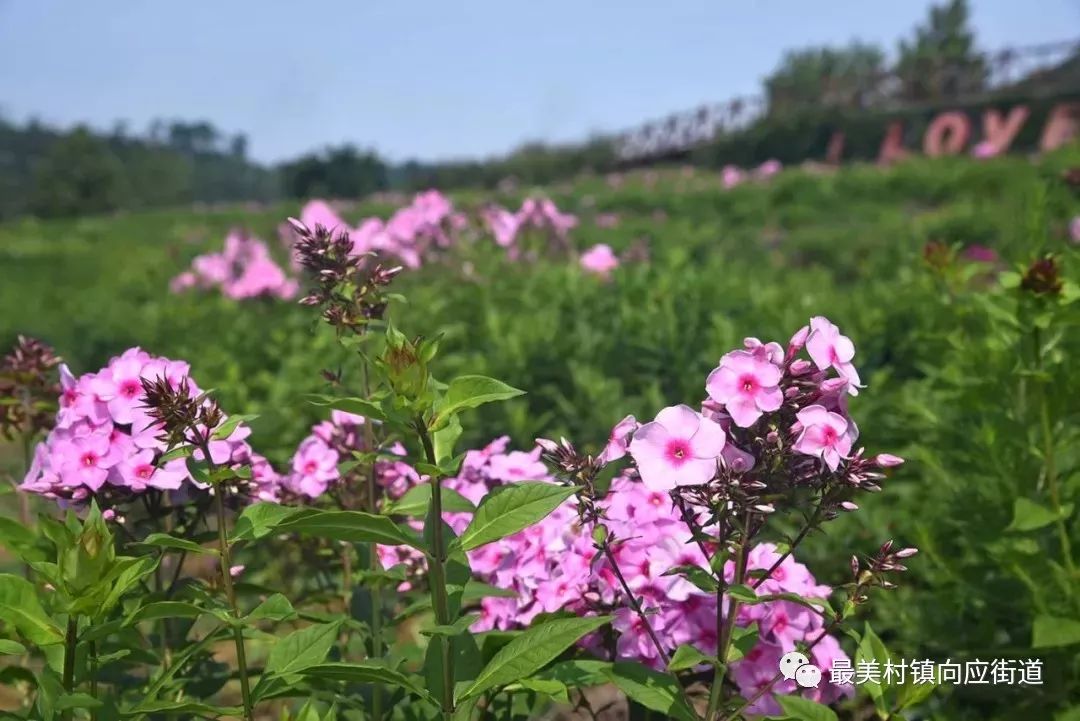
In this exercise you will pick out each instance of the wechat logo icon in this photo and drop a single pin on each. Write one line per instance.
(795, 665)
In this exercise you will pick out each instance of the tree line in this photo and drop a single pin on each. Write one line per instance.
(55, 173)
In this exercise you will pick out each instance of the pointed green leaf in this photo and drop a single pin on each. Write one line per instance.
(654, 690)
(164, 540)
(11, 648)
(1029, 516)
(511, 508)
(351, 527)
(472, 391)
(1054, 631)
(416, 500)
(531, 651)
(302, 649)
(164, 609)
(686, 656)
(803, 709)
(274, 608)
(367, 673)
(19, 606)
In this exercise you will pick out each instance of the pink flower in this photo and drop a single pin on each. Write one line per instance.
(607, 220)
(1074, 229)
(314, 466)
(120, 386)
(138, 472)
(747, 385)
(183, 282)
(319, 212)
(829, 349)
(824, 434)
(600, 259)
(731, 176)
(679, 448)
(618, 439)
(768, 169)
(86, 460)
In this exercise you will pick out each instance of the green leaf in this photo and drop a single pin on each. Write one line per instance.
(416, 500)
(351, 527)
(1028, 515)
(275, 608)
(357, 406)
(1054, 631)
(127, 573)
(511, 508)
(11, 648)
(444, 439)
(654, 690)
(578, 673)
(262, 519)
(472, 391)
(178, 452)
(872, 649)
(456, 628)
(741, 593)
(190, 708)
(743, 640)
(302, 649)
(367, 673)
(227, 428)
(686, 656)
(531, 651)
(76, 700)
(803, 709)
(19, 606)
(695, 575)
(164, 609)
(164, 540)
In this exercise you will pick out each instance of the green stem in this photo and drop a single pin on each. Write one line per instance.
(376, 589)
(439, 596)
(226, 564)
(726, 623)
(71, 642)
(1049, 465)
(93, 673)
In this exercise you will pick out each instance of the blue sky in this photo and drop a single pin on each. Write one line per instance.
(432, 79)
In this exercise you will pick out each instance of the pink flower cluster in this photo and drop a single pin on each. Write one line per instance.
(539, 214)
(314, 469)
(553, 566)
(244, 269)
(732, 175)
(105, 441)
(600, 260)
(427, 224)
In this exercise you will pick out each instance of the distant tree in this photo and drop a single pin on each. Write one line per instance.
(844, 77)
(941, 62)
(79, 175)
(238, 146)
(341, 172)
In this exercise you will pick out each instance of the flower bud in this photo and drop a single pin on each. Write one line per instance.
(599, 534)
(855, 566)
(798, 340)
(799, 366)
(298, 226)
(849, 506)
(885, 548)
(887, 460)
(906, 552)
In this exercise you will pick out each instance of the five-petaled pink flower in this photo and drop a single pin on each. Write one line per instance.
(747, 384)
(679, 448)
(824, 434)
(829, 349)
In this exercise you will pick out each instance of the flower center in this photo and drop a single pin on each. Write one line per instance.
(144, 471)
(89, 459)
(310, 467)
(748, 384)
(130, 388)
(677, 451)
(830, 436)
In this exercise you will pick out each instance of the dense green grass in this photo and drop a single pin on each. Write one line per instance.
(948, 355)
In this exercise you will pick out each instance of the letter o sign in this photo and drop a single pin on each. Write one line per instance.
(947, 135)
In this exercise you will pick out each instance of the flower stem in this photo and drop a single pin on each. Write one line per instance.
(376, 588)
(726, 622)
(439, 597)
(71, 642)
(1049, 465)
(230, 592)
(791, 547)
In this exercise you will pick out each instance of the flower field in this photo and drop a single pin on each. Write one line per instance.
(620, 446)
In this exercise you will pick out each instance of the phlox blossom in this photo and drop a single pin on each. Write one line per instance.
(679, 448)
(824, 434)
(747, 385)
